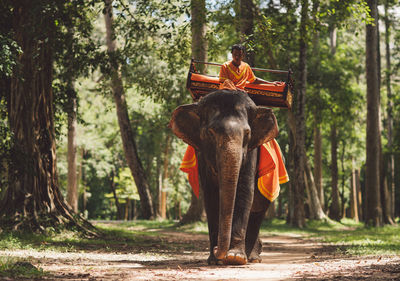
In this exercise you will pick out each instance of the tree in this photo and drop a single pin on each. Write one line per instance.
(388, 71)
(315, 62)
(298, 184)
(199, 52)
(373, 210)
(72, 188)
(127, 135)
(33, 199)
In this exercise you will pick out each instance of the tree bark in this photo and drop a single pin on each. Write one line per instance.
(199, 32)
(353, 194)
(114, 191)
(299, 152)
(391, 169)
(72, 183)
(318, 160)
(317, 110)
(163, 193)
(359, 195)
(373, 210)
(316, 211)
(334, 210)
(129, 145)
(199, 52)
(33, 200)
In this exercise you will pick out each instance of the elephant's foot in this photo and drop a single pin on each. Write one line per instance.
(212, 260)
(254, 256)
(235, 257)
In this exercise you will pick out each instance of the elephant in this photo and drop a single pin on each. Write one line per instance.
(226, 129)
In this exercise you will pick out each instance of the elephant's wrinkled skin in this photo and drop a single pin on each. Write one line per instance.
(226, 128)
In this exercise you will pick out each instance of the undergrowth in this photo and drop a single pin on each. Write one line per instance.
(18, 268)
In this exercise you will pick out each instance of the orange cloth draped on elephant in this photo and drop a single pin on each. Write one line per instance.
(271, 170)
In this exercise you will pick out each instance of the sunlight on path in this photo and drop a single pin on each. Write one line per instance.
(283, 258)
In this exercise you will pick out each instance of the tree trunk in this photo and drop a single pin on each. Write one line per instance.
(359, 195)
(127, 204)
(391, 181)
(343, 208)
(72, 183)
(33, 200)
(199, 52)
(270, 214)
(316, 211)
(291, 202)
(129, 145)
(318, 160)
(353, 194)
(299, 151)
(317, 111)
(334, 210)
(114, 191)
(373, 210)
(246, 20)
(199, 32)
(163, 194)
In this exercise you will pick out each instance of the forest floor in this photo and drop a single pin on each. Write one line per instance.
(170, 254)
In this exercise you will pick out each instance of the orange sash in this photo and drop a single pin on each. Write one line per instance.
(271, 170)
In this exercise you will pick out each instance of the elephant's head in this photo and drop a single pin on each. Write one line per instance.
(224, 126)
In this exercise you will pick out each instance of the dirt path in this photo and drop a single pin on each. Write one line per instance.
(284, 258)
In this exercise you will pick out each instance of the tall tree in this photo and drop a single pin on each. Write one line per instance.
(389, 121)
(126, 131)
(334, 210)
(199, 52)
(298, 184)
(373, 210)
(72, 184)
(354, 204)
(317, 111)
(33, 199)
(164, 179)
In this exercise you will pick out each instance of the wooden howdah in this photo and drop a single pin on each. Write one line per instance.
(270, 95)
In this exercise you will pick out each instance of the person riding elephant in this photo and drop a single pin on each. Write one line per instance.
(228, 134)
(271, 171)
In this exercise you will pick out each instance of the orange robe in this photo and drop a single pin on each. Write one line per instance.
(232, 77)
(271, 170)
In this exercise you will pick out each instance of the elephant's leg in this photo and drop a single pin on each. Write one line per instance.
(258, 210)
(243, 202)
(211, 205)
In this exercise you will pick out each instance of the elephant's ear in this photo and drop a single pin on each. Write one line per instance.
(264, 127)
(185, 124)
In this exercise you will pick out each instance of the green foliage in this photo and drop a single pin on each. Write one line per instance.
(125, 186)
(19, 268)
(9, 51)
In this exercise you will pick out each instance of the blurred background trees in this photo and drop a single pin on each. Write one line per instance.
(326, 140)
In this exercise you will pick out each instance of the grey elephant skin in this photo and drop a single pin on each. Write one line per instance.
(226, 129)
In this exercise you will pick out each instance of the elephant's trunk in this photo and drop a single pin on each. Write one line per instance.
(229, 160)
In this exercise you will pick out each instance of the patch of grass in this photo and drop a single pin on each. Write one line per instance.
(350, 237)
(147, 236)
(196, 227)
(367, 241)
(18, 268)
